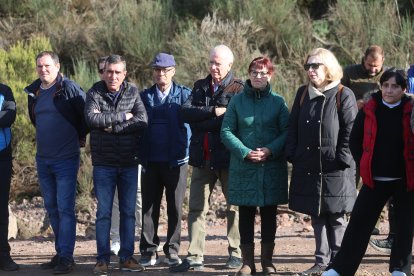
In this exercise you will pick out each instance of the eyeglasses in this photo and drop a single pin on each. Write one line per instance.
(256, 74)
(314, 66)
(101, 71)
(163, 70)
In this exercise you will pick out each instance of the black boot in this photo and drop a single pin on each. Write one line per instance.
(248, 267)
(7, 264)
(266, 258)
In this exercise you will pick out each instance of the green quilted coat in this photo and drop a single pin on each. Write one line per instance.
(256, 119)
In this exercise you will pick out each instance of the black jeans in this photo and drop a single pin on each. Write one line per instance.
(367, 209)
(5, 178)
(154, 178)
(268, 223)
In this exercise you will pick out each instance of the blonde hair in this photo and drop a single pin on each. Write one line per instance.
(333, 68)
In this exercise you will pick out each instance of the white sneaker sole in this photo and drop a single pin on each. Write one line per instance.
(151, 263)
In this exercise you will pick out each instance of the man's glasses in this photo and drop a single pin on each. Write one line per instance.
(257, 74)
(163, 70)
(314, 66)
(101, 71)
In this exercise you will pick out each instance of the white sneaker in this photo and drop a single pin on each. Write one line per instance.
(330, 272)
(398, 273)
(115, 246)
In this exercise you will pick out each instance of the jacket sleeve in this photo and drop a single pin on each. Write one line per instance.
(292, 135)
(277, 146)
(99, 119)
(138, 121)
(357, 136)
(78, 104)
(346, 114)
(193, 112)
(228, 130)
(346, 81)
(7, 108)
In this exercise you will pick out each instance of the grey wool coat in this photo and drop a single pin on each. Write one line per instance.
(323, 176)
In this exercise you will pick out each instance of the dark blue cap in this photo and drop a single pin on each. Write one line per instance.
(163, 60)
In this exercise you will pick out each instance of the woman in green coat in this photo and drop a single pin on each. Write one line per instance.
(254, 130)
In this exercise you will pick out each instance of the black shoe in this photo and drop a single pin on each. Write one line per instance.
(7, 264)
(51, 264)
(64, 266)
(382, 245)
(187, 265)
(316, 269)
(375, 231)
(233, 262)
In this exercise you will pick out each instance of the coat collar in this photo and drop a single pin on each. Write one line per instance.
(314, 92)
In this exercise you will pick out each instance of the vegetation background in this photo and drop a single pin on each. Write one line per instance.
(81, 31)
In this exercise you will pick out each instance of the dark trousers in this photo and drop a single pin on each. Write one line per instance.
(5, 178)
(367, 209)
(268, 223)
(154, 178)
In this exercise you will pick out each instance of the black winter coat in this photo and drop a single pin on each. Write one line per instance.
(323, 176)
(118, 147)
(199, 112)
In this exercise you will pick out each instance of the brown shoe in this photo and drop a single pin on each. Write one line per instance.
(101, 268)
(131, 265)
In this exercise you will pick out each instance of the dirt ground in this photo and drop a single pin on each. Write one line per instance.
(293, 253)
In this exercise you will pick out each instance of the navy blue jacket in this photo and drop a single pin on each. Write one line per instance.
(7, 117)
(179, 132)
(69, 100)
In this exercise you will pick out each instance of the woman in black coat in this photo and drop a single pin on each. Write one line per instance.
(323, 176)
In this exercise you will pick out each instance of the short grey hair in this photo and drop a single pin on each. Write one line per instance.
(225, 50)
(114, 59)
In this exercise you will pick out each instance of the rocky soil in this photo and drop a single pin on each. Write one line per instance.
(293, 253)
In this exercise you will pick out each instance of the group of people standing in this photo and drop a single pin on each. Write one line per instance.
(238, 133)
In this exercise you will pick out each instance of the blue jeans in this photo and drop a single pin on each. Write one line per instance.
(58, 187)
(105, 179)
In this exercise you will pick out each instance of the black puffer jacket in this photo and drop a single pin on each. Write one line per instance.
(119, 147)
(323, 176)
(199, 112)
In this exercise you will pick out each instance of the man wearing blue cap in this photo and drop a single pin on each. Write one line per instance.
(164, 157)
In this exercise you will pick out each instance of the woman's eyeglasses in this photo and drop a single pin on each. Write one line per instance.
(314, 66)
(257, 74)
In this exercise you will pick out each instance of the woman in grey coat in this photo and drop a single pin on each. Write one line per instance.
(323, 176)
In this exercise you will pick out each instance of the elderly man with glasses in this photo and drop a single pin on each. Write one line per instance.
(164, 157)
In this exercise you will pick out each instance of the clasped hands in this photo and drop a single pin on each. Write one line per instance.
(258, 155)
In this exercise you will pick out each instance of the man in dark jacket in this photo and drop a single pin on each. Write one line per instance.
(204, 111)
(56, 109)
(164, 152)
(7, 117)
(363, 79)
(116, 115)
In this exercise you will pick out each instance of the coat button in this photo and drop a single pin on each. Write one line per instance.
(308, 173)
(307, 148)
(307, 121)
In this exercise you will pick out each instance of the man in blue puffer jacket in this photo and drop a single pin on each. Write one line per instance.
(7, 117)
